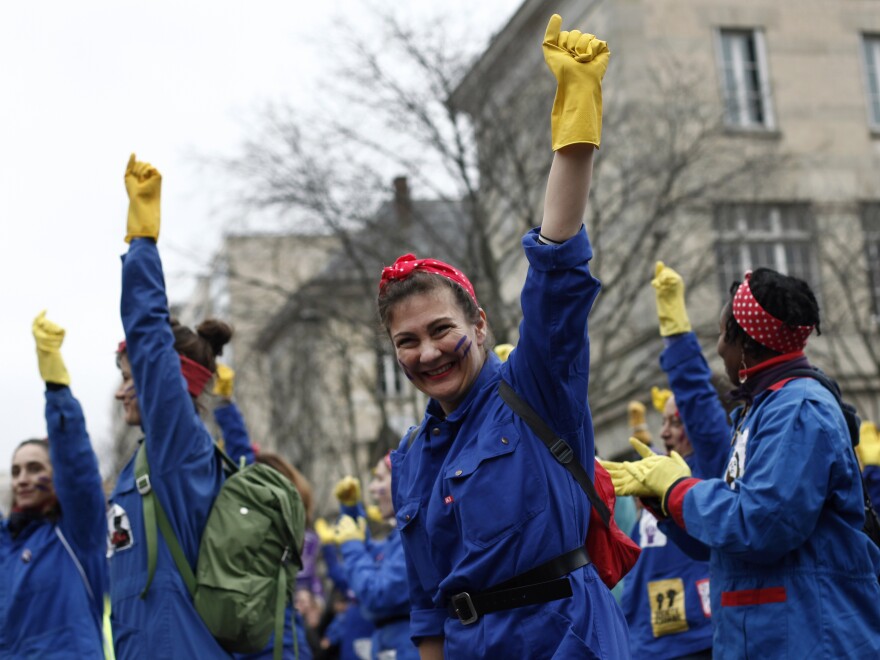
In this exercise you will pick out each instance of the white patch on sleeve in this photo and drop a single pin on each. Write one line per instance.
(736, 467)
(118, 530)
(650, 535)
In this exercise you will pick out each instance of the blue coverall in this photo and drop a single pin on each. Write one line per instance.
(377, 576)
(46, 610)
(793, 576)
(479, 498)
(185, 474)
(238, 445)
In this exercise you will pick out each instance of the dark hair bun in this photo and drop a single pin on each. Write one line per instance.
(216, 332)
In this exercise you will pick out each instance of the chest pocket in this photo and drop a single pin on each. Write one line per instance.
(495, 486)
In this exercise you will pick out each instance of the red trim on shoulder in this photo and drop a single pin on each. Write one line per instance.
(753, 597)
(675, 499)
(779, 384)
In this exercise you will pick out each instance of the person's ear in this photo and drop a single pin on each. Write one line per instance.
(482, 327)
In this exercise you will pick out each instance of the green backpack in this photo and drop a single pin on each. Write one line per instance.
(249, 554)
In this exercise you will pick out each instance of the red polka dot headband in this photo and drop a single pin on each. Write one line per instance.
(407, 264)
(763, 327)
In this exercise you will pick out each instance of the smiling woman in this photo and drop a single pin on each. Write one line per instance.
(492, 525)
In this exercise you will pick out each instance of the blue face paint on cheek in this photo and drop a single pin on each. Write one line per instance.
(460, 342)
(44, 484)
(467, 349)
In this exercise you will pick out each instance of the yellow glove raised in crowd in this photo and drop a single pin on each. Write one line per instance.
(669, 291)
(636, 416)
(503, 351)
(347, 529)
(324, 532)
(578, 60)
(144, 186)
(868, 448)
(659, 397)
(348, 490)
(49, 337)
(374, 514)
(224, 381)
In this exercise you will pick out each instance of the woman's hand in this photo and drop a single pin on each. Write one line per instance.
(49, 337)
(144, 186)
(669, 291)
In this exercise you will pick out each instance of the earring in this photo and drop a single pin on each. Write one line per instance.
(743, 376)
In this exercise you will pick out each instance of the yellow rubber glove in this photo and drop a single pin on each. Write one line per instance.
(669, 291)
(349, 530)
(578, 60)
(868, 448)
(49, 337)
(659, 397)
(624, 482)
(374, 515)
(503, 351)
(144, 186)
(637, 426)
(224, 381)
(325, 532)
(657, 473)
(348, 490)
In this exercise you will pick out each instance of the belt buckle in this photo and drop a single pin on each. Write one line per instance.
(464, 598)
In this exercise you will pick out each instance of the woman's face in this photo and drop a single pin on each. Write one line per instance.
(672, 432)
(32, 478)
(439, 350)
(731, 353)
(126, 394)
(380, 489)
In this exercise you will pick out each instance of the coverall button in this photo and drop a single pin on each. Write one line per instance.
(458, 473)
(407, 516)
(436, 430)
(504, 441)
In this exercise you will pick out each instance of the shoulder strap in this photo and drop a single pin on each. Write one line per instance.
(558, 447)
(154, 516)
(79, 566)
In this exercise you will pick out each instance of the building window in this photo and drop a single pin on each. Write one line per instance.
(745, 80)
(777, 236)
(390, 375)
(871, 227)
(872, 72)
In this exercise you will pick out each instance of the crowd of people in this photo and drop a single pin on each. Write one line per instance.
(751, 520)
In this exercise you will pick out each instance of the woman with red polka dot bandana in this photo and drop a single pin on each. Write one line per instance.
(792, 573)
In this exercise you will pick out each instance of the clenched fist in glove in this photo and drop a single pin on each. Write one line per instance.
(578, 60)
(144, 186)
(669, 291)
(49, 337)
(348, 490)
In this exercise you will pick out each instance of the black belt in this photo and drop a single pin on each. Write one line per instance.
(381, 623)
(541, 584)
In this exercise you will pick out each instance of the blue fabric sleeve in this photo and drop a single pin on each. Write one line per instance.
(785, 485)
(872, 482)
(76, 476)
(379, 586)
(235, 436)
(704, 418)
(554, 346)
(425, 618)
(334, 568)
(685, 542)
(185, 473)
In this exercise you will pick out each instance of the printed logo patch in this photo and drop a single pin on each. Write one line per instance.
(736, 467)
(667, 606)
(118, 530)
(650, 535)
(448, 499)
(703, 590)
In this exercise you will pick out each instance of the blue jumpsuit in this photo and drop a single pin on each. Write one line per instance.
(871, 475)
(479, 499)
(792, 574)
(377, 576)
(185, 473)
(46, 610)
(238, 445)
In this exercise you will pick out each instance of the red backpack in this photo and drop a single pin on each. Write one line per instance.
(611, 551)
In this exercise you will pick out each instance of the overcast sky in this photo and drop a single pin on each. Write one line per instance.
(84, 84)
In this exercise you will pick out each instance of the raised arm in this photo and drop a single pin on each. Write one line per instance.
(236, 439)
(578, 61)
(76, 477)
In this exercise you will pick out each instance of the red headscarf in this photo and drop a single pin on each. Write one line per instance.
(407, 264)
(196, 375)
(763, 327)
